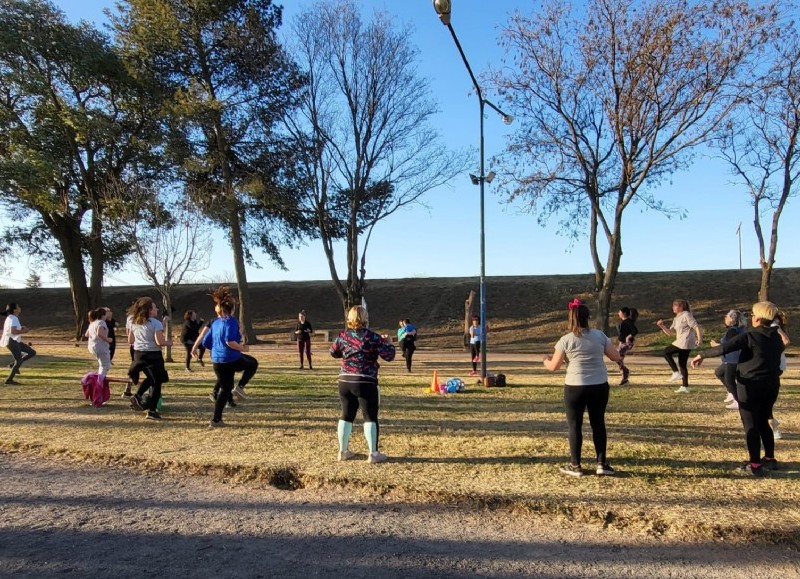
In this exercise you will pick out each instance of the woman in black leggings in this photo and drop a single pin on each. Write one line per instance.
(757, 384)
(586, 385)
(359, 348)
(688, 335)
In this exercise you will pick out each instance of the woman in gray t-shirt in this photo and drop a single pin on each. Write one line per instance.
(585, 385)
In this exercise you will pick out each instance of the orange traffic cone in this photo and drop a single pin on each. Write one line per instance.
(435, 382)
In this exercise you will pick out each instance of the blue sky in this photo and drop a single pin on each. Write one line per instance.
(443, 238)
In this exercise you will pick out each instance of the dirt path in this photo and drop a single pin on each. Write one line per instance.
(65, 519)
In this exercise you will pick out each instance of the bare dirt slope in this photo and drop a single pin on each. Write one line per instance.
(81, 520)
(522, 310)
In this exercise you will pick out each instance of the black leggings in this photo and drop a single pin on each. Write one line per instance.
(359, 391)
(304, 346)
(17, 350)
(755, 409)
(408, 354)
(226, 371)
(189, 346)
(683, 358)
(155, 374)
(594, 399)
(726, 373)
(475, 350)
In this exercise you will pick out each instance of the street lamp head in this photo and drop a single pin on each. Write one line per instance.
(508, 119)
(475, 180)
(490, 176)
(442, 8)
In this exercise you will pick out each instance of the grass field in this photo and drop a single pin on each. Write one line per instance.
(494, 448)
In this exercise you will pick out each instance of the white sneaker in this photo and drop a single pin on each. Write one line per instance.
(682, 390)
(728, 398)
(238, 391)
(376, 457)
(346, 454)
(733, 405)
(675, 377)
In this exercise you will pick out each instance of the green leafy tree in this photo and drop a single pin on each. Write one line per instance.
(363, 131)
(34, 280)
(612, 99)
(71, 119)
(232, 82)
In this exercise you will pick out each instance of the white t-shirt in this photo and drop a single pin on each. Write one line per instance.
(12, 321)
(585, 363)
(95, 343)
(684, 325)
(144, 335)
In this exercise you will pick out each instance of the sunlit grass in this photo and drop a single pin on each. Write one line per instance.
(675, 453)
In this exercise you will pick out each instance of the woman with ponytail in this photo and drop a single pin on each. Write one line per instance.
(227, 353)
(586, 385)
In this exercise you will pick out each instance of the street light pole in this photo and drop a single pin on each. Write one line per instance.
(442, 8)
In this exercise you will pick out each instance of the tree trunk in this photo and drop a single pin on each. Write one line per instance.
(166, 301)
(97, 261)
(245, 322)
(766, 276)
(468, 309)
(70, 244)
(605, 292)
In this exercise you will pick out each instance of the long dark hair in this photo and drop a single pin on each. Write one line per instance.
(9, 309)
(630, 313)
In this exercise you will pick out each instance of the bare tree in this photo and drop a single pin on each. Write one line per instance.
(611, 100)
(167, 244)
(363, 131)
(761, 144)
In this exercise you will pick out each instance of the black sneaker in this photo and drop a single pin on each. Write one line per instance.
(769, 463)
(604, 469)
(748, 468)
(232, 404)
(153, 415)
(216, 424)
(11, 382)
(572, 470)
(136, 404)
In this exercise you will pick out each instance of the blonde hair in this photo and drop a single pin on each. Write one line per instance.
(357, 317)
(766, 311)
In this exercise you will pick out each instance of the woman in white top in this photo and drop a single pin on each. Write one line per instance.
(99, 341)
(688, 335)
(12, 339)
(586, 385)
(147, 338)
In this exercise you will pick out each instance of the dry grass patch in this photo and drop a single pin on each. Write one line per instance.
(492, 448)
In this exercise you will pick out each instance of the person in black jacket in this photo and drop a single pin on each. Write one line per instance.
(627, 333)
(189, 335)
(726, 371)
(302, 333)
(757, 383)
